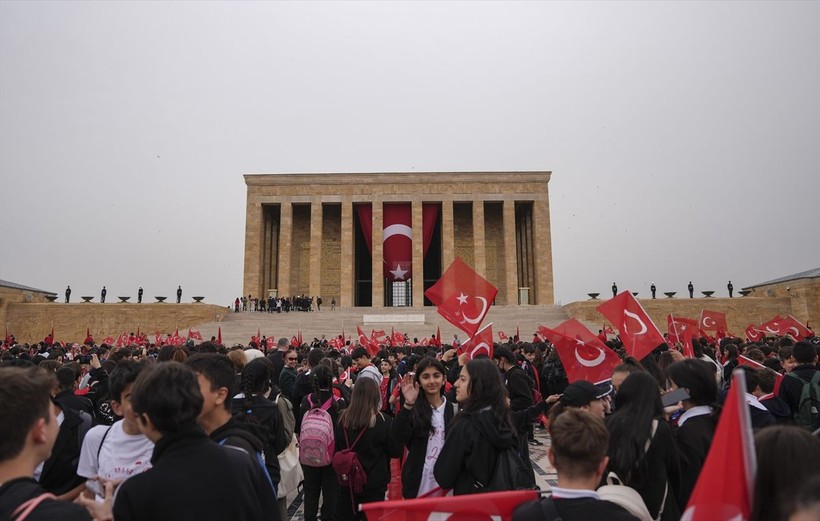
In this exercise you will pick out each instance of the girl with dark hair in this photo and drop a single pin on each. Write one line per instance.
(697, 424)
(320, 480)
(252, 408)
(388, 384)
(363, 429)
(421, 425)
(642, 450)
(481, 430)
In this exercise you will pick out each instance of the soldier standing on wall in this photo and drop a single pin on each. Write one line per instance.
(139, 295)
(730, 288)
(614, 289)
(67, 294)
(652, 289)
(691, 290)
(103, 293)
(179, 294)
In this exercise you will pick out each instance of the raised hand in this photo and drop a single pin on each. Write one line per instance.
(409, 389)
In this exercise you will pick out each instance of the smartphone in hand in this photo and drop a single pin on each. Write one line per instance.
(671, 398)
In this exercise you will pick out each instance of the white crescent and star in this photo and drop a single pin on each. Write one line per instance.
(589, 363)
(706, 321)
(476, 319)
(635, 317)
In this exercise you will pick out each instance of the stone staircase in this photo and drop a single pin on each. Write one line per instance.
(238, 328)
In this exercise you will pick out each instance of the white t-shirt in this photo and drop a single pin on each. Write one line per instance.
(434, 444)
(122, 455)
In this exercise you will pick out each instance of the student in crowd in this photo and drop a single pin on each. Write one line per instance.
(764, 392)
(803, 374)
(578, 453)
(252, 406)
(119, 451)
(787, 458)
(320, 480)
(28, 430)
(366, 369)
(218, 482)
(759, 414)
(304, 385)
(421, 426)
(387, 385)
(583, 395)
(621, 371)
(288, 375)
(482, 429)
(364, 430)
(697, 424)
(642, 450)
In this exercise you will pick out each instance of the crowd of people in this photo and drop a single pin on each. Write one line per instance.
(211, 432)
(280, 304)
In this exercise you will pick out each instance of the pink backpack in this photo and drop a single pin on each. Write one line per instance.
(316, 440)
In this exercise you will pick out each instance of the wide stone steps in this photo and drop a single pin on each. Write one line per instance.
(238, 328)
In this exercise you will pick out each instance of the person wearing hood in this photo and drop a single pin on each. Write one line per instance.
(478, 433)
(764, 392)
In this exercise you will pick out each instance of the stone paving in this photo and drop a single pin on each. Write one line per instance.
(544, 475)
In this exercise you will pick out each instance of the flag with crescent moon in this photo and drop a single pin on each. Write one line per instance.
(582, 354)
(713, 321)
(479, 344)
(677, 326)
(792, 326)
(397, 236)
(778, 378)
(463, 297)
(639, 334)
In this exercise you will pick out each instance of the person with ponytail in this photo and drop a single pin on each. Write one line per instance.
(320, 480)
(252, 408)
(366, 431)
(421, 425)
(482, 429)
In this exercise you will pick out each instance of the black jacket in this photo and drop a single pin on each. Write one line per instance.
(470, 452)
(405, 433)
(693, 440)
(60, 469)
(791, 388)
(518, 387)
(17, 491)
(194, 479)
(265, 421)
(374, 449)
(582, 509)
(335, 406)
(778, 408)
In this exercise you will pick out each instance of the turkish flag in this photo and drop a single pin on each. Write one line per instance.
(122, 340)
(778, 379)
(489, 505)
(753, 333)
(688, 341)
(480, 343)
(398, 339)
(371, 345)
(713, 321)
(793, 327)
(463, 296)
(502, 335)
(376, 335)
(219, 336)
(772, 327)
(438, 336)
(724, 488)
(638, 333)
(677, 326)
(582, 354)
(109, 340)
(194, 334)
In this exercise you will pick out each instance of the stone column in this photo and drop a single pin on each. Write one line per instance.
(377, 251)
(418, 253)
(253, 248)
(479, 245)
(544, 289)
(347, 257)
(315, 277)
(448, 240)
(285, 245)
(510, 254)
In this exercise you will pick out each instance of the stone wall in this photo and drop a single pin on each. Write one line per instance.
(33, 322)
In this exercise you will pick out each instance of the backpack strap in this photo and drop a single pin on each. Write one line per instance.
(25, 509)
(99, 449)
(347, 440)
(548, 507)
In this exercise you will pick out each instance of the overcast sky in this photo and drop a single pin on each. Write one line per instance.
(684, 138)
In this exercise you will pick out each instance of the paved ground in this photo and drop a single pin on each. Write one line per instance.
(544, 474)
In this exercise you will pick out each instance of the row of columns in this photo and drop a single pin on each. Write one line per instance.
(284, 251)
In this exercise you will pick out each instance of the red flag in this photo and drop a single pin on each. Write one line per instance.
(583, 354)
(344, 376)
(778, 379)
(793, 327)
(481, 343)
(109, 340)
(256, 339)
(8, 337)
(713, 321)
(463, 297)
(368, 343)
(299, 336)
(677, 326)
(608, 330)
(398, 339)
(438, 336)
(688, 341)
(502, 335)
(772, 327)
(376, 335)
(122, 340)
(219, 336)
(724, 488)
(194, 334)
(638, 333)
(753, 333)
(158, 338)
(495, 505)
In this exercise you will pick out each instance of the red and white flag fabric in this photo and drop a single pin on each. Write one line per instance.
(638, 333)
(463, 297)
(489, 505)
(175, 339)
(398, 339)
(158, 338)
(778, 379)
(122, 340)
(109, 340)
(772, 327)
(713, 321)
(754, 334)
(368, 343)
(724, 488)
(438, 336)
(219, 336)
(344, 376)
(582, 354)
(194, 334)
(792, 326)
(480, 344)
(502, 336)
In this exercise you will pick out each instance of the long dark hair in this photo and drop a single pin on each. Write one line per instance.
(422, 412)
(364, 404)
(637, 403)
(486, 390)
(321, 381)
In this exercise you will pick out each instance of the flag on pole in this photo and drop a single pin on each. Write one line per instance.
(219, 336)
(194, 334)
(582, 354)
(753, 333)
(793, 327)
(462, 297)
(778, 379)
(481, 343)
(713, 321)
(677, 326)
(724, 488)
(639, 334)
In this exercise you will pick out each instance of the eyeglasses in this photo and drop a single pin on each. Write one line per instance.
(291, 359)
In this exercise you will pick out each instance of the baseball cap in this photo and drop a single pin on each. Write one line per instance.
(580, 393)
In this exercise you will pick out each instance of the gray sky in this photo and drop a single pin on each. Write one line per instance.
(684, 138)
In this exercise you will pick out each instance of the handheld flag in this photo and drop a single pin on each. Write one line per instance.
(638, 333)
(462, 296)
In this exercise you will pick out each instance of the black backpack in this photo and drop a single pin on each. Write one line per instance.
(509, 473)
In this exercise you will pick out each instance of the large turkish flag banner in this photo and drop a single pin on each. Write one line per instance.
(639, 334)
(463, 296)
(583, 358)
